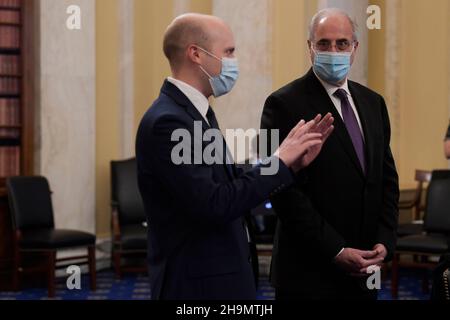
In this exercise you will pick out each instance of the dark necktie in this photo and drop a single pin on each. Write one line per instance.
(210, 115)
(352, 126)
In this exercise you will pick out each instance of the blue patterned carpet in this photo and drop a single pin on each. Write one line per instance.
(136, 287)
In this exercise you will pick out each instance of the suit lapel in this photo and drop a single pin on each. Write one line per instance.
(172, 91)
(322, 103)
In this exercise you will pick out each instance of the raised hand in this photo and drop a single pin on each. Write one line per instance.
(325, 127)
(304, 142)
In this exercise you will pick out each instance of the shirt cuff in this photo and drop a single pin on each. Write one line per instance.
(339, 253)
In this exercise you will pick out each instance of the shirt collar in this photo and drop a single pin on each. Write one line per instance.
(331, 89)
(197, 98)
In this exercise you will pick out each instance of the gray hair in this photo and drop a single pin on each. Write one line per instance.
(326, 13)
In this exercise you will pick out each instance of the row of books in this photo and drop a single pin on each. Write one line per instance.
(10, 131)
(9, 161)
(9, 134)
(9, 86)
(9, 112)
(9, 64)
(10, 16)
(10, 3)
(9, 37)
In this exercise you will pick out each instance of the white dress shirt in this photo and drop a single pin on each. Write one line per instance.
(197, 98)
(331, 89)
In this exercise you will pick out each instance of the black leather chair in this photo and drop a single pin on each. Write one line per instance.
(415, 206)
(128, 221)
(33, 224)
(436, 236)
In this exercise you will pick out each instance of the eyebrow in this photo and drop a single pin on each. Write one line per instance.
(340, 39)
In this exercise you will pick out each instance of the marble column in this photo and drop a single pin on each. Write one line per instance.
(357, 11)
(66, 122)
(251, 23)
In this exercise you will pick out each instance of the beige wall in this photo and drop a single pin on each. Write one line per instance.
(107, 111)
(421, 113)
(201, 6)
(289, 48)
(376, 74)
(424, 90)
(419, 118)
(151, 20)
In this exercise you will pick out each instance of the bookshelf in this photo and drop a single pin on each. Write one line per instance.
(10, 91)
(16, 111)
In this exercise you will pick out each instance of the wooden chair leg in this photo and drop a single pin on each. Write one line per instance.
(51, 273)
(16, 271)
(394, 276)
(117, 258)
(92, 269)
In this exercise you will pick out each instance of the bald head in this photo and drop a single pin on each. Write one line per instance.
(189, 29)
(335, 16)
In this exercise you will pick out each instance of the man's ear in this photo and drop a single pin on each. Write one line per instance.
(310, 50)
(354, 52)
(193, 54)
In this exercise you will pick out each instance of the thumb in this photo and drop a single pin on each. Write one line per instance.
(368, 254)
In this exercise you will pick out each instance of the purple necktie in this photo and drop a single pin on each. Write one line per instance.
(352, 126)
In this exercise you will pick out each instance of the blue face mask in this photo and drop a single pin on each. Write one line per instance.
(225, 81)
(332, 67)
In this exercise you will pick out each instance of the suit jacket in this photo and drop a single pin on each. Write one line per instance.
(197, 243)
(333, 204)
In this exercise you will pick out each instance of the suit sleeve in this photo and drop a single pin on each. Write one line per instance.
(299, 219)
(387, 225)
(193, 185)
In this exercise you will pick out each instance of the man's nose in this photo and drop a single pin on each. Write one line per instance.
(333, 48)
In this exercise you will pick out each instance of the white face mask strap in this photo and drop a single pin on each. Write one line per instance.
(209, 76)
(209, 53)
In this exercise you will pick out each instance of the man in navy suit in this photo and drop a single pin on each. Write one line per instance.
(197, 239)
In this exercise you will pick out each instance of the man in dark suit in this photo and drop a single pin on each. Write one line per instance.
(197, 238)
(340, 216)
